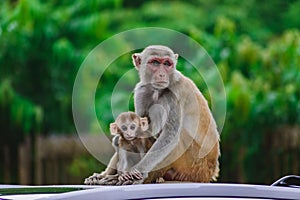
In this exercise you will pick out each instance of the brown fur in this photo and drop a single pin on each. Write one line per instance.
(198, 147)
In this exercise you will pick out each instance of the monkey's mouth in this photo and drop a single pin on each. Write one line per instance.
(161, 84)
(127, 137)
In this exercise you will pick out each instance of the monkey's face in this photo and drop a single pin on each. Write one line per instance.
(156, 65)
(128, 129)
(129, 125)
(160, 69)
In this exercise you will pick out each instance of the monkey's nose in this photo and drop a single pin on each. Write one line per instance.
(162, 75)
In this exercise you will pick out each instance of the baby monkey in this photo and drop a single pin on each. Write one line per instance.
(132, 141)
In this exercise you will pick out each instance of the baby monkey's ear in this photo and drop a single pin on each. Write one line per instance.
(113, 127)
(144, 123)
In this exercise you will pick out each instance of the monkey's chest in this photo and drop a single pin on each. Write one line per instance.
(135, 146)
(147, 96)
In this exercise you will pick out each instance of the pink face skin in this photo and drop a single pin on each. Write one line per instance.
(161, 68)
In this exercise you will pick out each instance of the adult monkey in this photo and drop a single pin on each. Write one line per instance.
(187, 147)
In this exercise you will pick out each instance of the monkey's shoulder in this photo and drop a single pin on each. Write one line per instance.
(185, 87)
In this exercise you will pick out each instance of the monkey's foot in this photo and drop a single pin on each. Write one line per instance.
(160, 180)
(108, 181)
(98, 179)
(93, 179)
(130, 182)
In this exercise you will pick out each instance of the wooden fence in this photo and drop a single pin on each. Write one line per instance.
(50, 161)
(278, 155)
(286, 141)
(54, 154)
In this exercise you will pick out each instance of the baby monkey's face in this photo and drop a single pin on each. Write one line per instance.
(129, 128)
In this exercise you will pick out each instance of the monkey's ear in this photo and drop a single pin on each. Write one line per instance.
(136, 59)
(144, 123)
(176, 56)
(113, 127)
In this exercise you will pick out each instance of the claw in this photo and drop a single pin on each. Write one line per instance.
(122, 177)
(128, 176)
(125, 176)
(137, 174)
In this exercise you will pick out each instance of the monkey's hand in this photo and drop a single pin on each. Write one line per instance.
(132, 177)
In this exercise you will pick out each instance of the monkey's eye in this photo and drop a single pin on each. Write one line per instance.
(167, 63)
(124, 128)
(155, 62)
(132, 127)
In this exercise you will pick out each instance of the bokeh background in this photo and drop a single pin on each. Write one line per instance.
(255, 45)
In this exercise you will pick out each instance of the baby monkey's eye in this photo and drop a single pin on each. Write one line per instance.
(132, 126)
(124, 128)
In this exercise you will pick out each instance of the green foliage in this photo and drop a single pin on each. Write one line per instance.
(23, 115)
(82, 166)
(262, 95)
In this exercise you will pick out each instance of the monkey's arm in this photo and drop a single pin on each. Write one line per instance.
(125, 160)
(162, 147)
